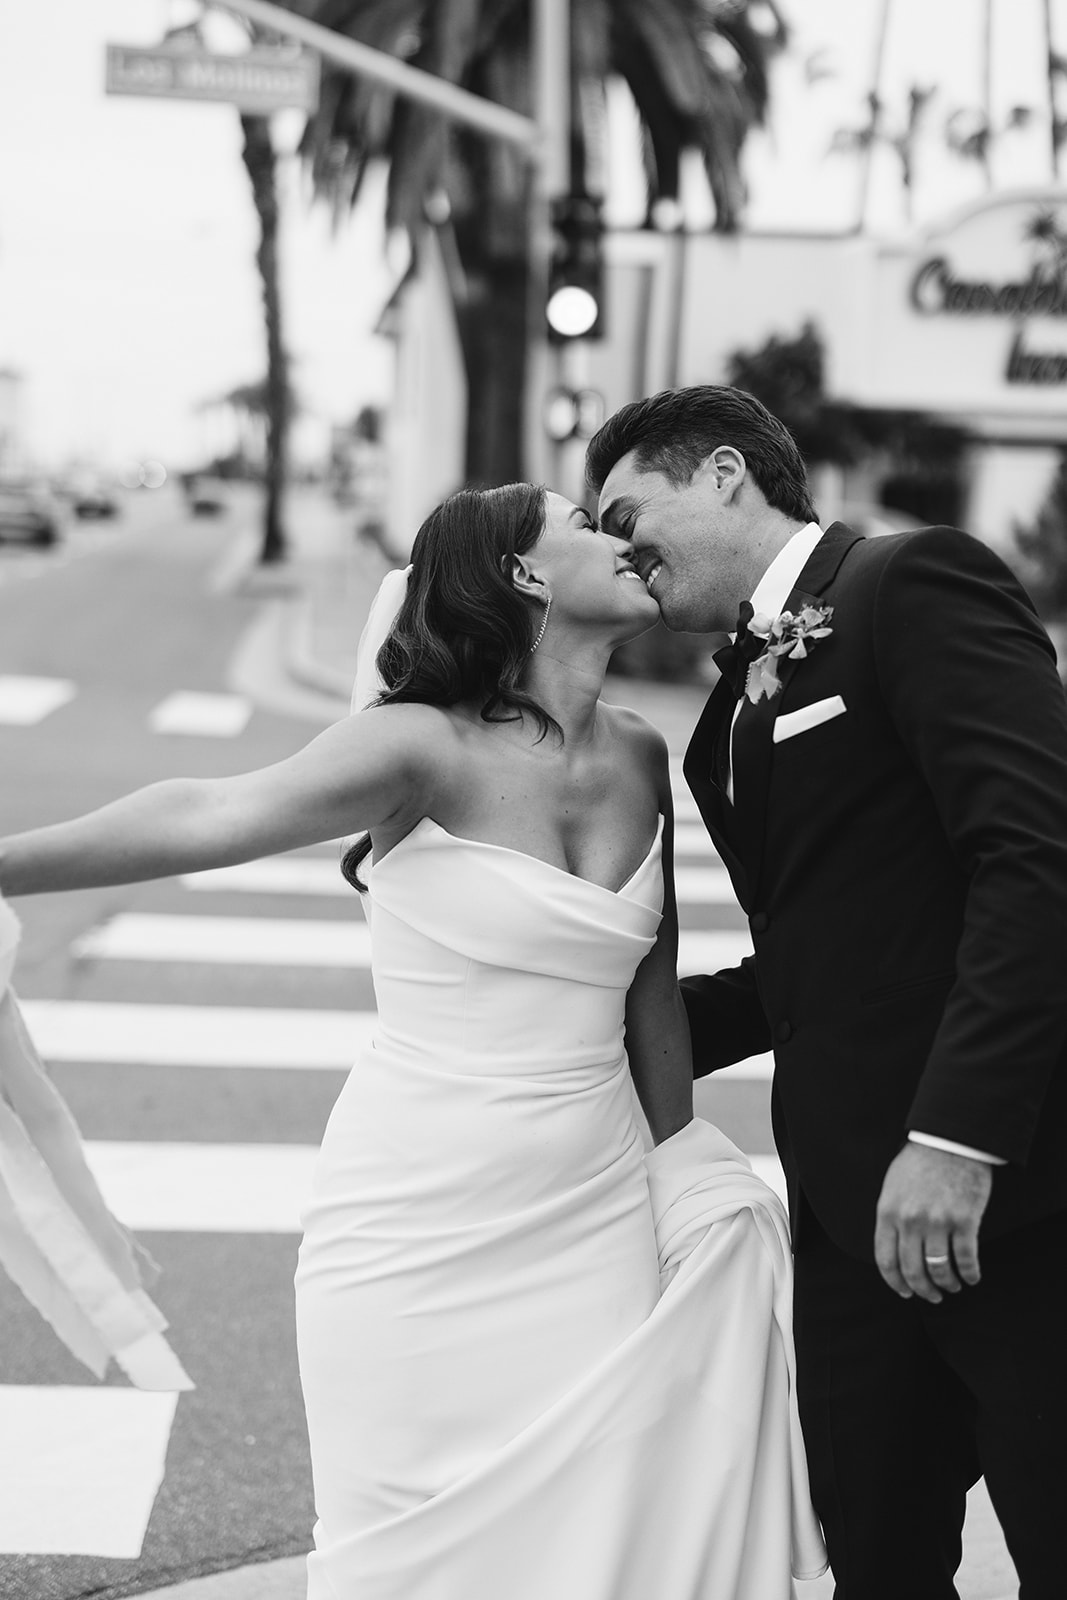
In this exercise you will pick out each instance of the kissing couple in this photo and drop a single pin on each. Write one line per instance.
(539, 1359)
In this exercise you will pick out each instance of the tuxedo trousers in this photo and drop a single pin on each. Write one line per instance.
(905, 1405)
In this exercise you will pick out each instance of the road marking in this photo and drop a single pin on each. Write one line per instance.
(691, 839)
(108, 1032)
(704, 886)
(296, 942)
(217, 716)
(105, 1032)
(26, 700)
(769, 1168)
(241, 941)
(204, 1188)
(752, 1070)
(227, 1188)
(80, 1468)
(298, 875)
(272, 875)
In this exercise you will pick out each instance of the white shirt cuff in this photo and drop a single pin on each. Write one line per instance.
(955, 1149)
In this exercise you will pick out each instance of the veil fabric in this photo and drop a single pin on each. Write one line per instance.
(59, 1243)
(392, 592)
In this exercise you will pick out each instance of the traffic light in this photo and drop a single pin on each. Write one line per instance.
(574, 308)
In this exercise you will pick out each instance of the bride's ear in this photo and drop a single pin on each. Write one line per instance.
(527, 582)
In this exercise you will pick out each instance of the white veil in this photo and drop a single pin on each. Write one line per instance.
(391, 595)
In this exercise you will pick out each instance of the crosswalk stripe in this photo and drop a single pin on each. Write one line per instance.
(298, 875)
(217, 716)
(691, 839)
(26, 700)
(304, 875)
(106, 1032)
(80, 1468)
(204, 1188)
(225, 1188)
(303, 942)
(102, 1031)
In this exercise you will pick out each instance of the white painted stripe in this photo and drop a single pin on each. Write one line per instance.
(275, 875)
(108, 1032)
(27, 700)
(196, 1036)
(204, 1188)
(703, 886)
(251, 941)
(753, 1070)
(769, 1168)
(301, 875)
(294, 942)
(227, 1188)
(691, 839)
(80, 1468)
(218, 716)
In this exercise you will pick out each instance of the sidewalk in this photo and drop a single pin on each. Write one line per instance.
(300, 658)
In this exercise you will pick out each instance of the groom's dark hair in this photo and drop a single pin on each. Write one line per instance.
(673, 432)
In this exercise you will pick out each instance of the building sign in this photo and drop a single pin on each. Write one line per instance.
(257, 82)
(937, 290)
(968, 317)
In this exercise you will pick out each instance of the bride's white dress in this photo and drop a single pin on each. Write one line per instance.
(538, 1363)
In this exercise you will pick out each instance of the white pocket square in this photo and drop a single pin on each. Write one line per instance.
(793, 722)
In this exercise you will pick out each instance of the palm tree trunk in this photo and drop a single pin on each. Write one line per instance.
(987, 92)
(260, 164)
(1050, 67)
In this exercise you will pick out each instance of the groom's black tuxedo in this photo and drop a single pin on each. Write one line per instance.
(903, 865)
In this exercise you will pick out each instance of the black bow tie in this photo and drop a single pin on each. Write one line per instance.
(734, 660)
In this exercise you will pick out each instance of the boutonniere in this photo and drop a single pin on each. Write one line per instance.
(792, 635)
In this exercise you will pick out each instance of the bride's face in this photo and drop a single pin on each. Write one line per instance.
(589, 574)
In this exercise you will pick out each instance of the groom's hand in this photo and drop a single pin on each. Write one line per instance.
(926, 1236)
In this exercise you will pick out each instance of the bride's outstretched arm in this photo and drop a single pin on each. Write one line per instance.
(359, 773)
(657, 1030)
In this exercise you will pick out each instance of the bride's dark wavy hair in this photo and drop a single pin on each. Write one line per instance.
(464, 632)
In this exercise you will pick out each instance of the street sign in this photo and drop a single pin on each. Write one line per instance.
(258, 81)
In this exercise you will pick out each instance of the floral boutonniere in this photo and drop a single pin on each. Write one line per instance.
(790, 635)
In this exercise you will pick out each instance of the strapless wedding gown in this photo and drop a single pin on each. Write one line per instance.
(538, 1363)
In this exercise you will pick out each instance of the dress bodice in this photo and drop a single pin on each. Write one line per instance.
(480, 950)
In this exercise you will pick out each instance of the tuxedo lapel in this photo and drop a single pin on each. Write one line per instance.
(753, 749)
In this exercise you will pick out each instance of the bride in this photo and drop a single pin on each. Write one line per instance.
(537, 1361)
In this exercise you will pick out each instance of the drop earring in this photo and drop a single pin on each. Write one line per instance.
(544, 625)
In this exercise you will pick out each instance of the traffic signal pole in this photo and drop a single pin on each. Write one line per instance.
(545, 137)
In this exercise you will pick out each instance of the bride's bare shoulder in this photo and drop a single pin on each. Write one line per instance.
(644, 738)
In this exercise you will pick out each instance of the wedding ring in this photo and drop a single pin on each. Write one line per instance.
(935, 1261)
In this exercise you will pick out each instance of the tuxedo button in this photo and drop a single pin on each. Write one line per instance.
(759, 922)
(783, 1031)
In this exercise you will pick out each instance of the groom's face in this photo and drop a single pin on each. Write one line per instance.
(684, 541)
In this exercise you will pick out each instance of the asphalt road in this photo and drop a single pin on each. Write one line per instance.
(201, 1149)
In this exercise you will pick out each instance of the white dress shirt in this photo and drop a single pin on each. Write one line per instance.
(768, 599)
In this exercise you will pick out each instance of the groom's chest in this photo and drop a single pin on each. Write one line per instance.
(802, 759)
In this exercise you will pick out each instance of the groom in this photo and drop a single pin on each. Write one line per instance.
(883, 768)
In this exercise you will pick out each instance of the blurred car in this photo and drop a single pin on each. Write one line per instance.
(204, 495)
(28, 512)
(93, 499)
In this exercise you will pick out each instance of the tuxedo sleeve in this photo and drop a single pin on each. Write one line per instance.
(969, 678)
(727, 1022)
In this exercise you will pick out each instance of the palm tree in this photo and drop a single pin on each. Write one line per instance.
(697, 71)
(261, 165)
